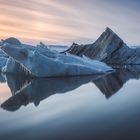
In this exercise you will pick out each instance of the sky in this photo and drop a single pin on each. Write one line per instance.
(68, 21)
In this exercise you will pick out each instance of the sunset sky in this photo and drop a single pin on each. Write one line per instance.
(67, 21)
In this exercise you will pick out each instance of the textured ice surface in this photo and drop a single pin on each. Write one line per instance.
(42, 62)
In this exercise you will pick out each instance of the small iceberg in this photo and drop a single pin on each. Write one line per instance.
(42, 62)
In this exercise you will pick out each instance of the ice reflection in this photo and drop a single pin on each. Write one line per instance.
(26, 90)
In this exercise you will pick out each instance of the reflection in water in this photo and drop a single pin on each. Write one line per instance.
(4, 92)
(111, 83)
(2, 78)
(17, 83)
(35, 90)
(25, 90)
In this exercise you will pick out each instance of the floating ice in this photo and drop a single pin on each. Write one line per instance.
(42, 62)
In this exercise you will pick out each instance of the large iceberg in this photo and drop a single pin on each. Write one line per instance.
(109, 48)
(42, 62)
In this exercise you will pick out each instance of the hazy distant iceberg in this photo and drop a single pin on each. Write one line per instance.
(42, 62)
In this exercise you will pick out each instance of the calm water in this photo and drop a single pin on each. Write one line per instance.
(77, 108)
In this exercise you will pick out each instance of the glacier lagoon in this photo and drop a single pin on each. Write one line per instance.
(98, 106)
(88, 107)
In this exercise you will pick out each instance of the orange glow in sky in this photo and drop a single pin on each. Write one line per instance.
(5, 92)
(63, 21)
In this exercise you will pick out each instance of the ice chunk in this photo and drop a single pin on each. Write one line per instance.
(51, 64)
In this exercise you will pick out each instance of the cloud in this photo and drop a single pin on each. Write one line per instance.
(62, 21)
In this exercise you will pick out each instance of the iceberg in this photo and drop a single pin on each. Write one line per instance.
(42, 62)
(108, 48)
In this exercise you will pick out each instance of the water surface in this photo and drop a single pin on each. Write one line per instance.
(73, 108)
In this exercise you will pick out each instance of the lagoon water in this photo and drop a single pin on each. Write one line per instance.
(73, 108)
